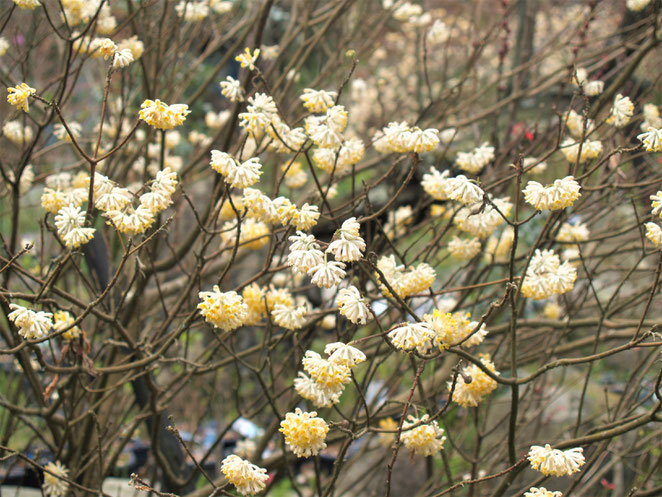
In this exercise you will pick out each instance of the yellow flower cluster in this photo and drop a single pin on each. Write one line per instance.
(453, 328)
(470, 394)
(424, 440)
(163, 116)
(327, 374)
(62, 320)
(304, 432)
(248, 59)
(18, 96)
(224, 310)
(328, 377)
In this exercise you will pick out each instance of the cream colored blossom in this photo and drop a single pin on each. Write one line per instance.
(408, 336)
(421, 436)
(352, 305)
(561, 194)
(247, 478)
(470, 394)
(555, 462)
(225, 310)
(248, 59)
(18, 96)
(54, 485)
(30, 324)
(304, 432)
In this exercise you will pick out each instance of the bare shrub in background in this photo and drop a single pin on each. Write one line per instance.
(332, 248)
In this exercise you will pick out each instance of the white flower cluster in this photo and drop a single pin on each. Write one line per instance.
(561, 194)
(400, 137)
(547, 276)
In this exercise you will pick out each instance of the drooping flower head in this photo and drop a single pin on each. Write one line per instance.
(556, 462)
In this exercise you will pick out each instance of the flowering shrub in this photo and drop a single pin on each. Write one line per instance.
(361, 229)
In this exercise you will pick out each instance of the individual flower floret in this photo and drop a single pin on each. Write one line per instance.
(470, 394)
(621, 111)
(318, 100)
(69, 222)
(30, 324)
(304, 432)
(424, 440)
(352, 305)
(18, 96)
(327, 274)
(348, 245)
(654, 234)
(163, 116)
(463, 190)
(246, 59)
(408, 336)
(4, 46)
(223, 310)
(557, 196)
(341, 353)
(652, 139)
(555, 462)
(54, 485)
(541, 492)
(232, 90)
(248, 478)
